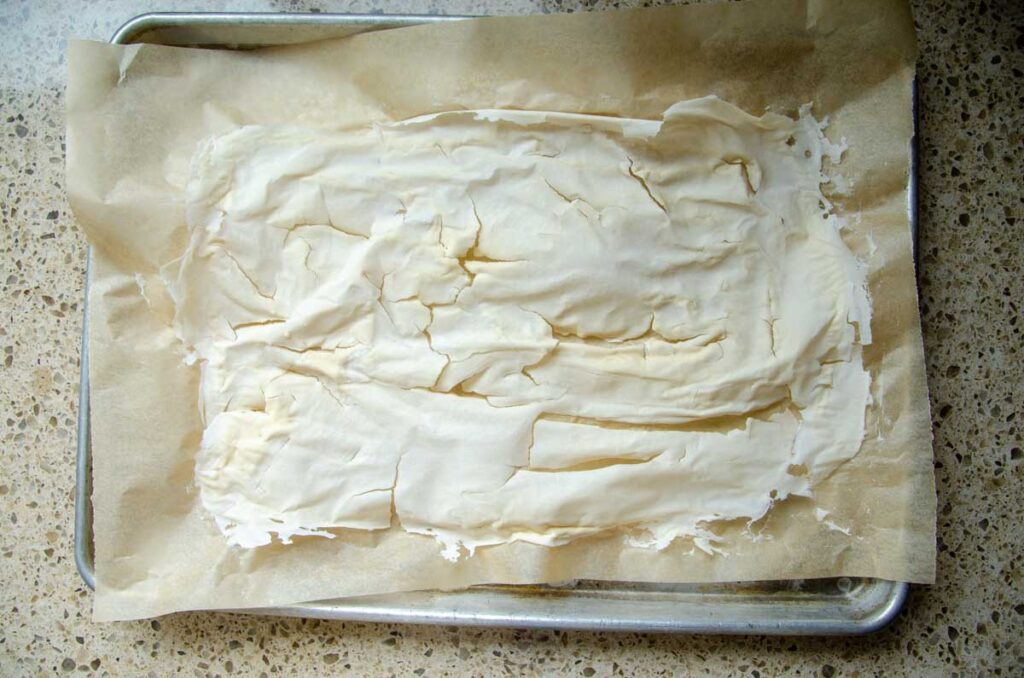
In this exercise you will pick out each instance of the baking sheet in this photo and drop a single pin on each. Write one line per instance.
(818, 607)
(895, 479)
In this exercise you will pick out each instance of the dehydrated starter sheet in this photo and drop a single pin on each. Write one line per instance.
(484, 324)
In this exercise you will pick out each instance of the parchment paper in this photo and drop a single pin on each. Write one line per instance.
(136, 113)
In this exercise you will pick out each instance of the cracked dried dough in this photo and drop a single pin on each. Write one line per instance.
(519, 325)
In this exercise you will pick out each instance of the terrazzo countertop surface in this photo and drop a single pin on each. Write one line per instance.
(971, 75)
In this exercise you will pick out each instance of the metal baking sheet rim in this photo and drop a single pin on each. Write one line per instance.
(868, 606)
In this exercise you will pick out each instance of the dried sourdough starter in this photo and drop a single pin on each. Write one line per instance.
(519, 325)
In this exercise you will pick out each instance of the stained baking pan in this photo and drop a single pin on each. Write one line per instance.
(801, 607)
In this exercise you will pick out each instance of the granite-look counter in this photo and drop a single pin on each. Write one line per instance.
(971, 76)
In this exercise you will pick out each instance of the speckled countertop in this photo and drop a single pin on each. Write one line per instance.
(971, 74)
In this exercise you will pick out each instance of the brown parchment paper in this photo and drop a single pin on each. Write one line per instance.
(136, 113)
